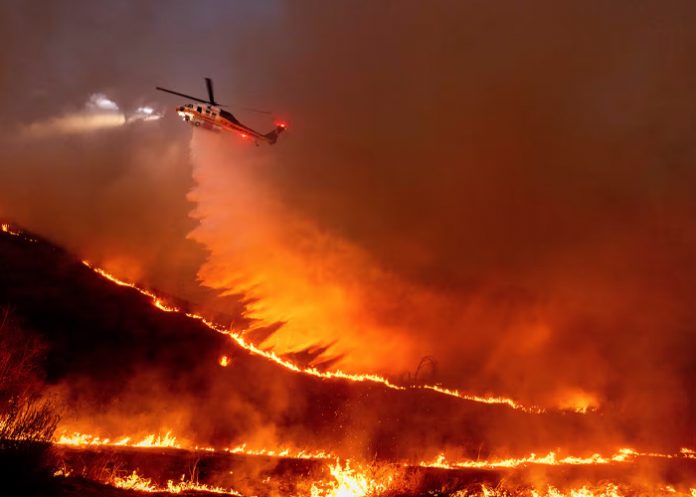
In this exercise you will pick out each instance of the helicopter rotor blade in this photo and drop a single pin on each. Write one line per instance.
(209, 85)
(184, 95)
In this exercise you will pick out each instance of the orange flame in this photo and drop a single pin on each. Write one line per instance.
(622, 455)
(335, 374)
(136, 482)
(351, 482)
(552, 459)
(151, 440)
(285, 453)
(14, 231)
(352, 479)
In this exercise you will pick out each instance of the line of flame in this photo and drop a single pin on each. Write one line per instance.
(552, 459)
(152, 440)
(622, 455)
(288, 453)
(78, 439)
(335, 374)
(351, 480)
(14, 231)
(136, 482)
(163, 306)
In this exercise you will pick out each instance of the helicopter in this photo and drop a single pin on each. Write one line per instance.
(213, 117)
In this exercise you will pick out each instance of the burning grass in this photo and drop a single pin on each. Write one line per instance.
(159, 303)
(155, 462)
(137, 482)
(254, 476)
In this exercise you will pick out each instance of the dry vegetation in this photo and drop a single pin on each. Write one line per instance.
(27, 420)
(24, 414)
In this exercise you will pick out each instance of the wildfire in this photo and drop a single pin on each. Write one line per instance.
(158, 441)
(12, 230)
(289, 453)
(578, 400)
(348, 479)
(351, 482)
(151, 440)
(486, 400)
(336, 374)
(604, 490)
(688, 453)
(167, 440)
(552, 459)
(136, 482)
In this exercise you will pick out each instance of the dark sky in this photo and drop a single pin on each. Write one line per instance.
(508, 187)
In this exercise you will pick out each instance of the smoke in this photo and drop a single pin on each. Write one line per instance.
(509, 191)
(510, 196)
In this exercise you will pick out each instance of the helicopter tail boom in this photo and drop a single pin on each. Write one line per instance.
(272, 137)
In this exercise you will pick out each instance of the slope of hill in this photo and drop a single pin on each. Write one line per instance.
(121, 366)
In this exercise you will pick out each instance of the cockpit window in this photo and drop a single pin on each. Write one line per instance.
(199, 108)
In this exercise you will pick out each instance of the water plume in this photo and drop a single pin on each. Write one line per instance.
(287, 268)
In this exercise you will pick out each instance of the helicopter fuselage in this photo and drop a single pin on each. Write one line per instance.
(214, 118)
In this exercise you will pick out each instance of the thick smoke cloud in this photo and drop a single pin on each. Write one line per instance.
(513, 186)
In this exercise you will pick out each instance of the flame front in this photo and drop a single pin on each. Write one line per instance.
(550, 459)
(622, 455)
(349, 481)
(151, 440)
(351, 478)
(312, 371)
(136, 482)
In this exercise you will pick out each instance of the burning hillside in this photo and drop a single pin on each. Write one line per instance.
(165, 374)
(182, 391)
